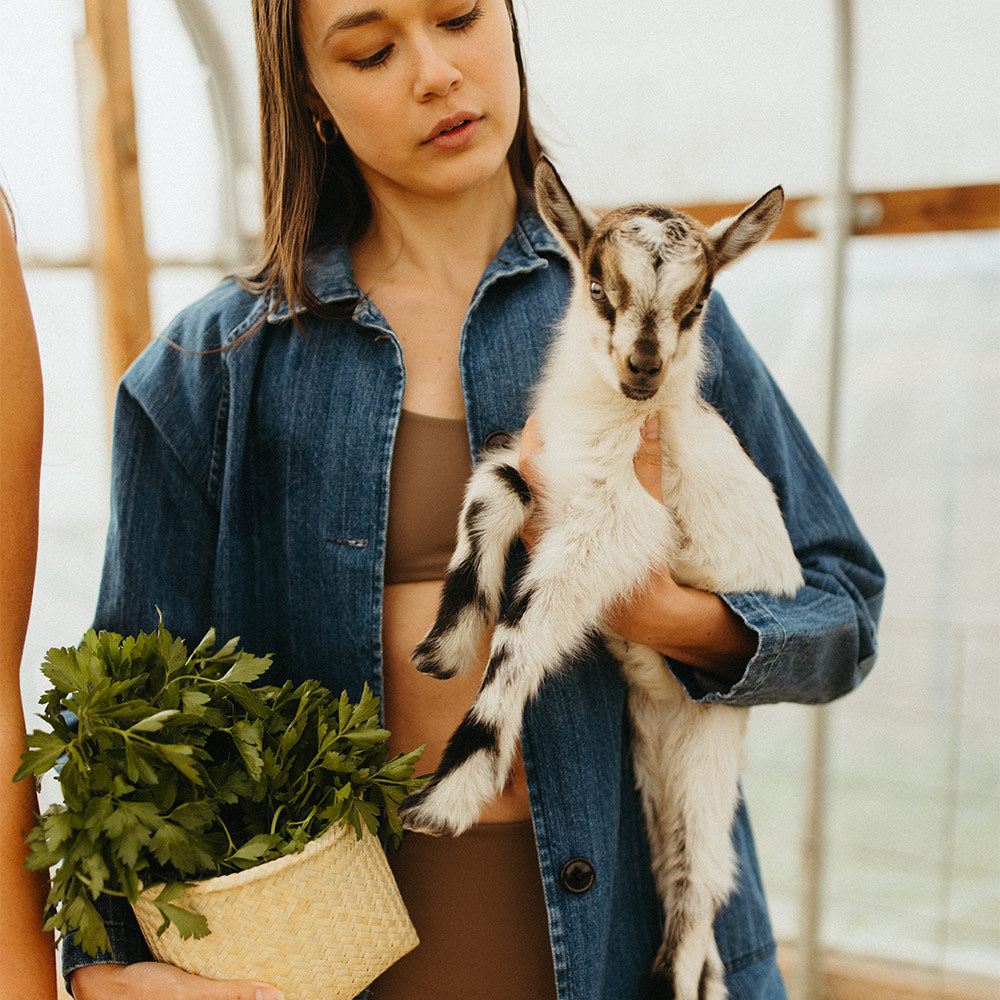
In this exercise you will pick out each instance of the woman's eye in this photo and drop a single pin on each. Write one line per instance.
(464, 21)
(596, 291)
(370, 62)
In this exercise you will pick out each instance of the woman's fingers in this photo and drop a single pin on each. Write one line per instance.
(158, 981)
(648, 461)
(531, 446)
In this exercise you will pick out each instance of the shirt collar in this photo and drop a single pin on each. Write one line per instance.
(331, 277)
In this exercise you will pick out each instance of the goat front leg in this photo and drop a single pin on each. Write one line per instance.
(688, 759)
(549, 621)
(497, 504)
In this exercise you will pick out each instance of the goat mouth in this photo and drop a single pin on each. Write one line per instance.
(638, 393)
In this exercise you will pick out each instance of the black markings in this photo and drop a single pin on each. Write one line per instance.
(497, 660)
(659, 212)
(514, 481)
(471, 737)
(460, 591)
(514, 611)
(497, 440)
(660, 985)
(473, 513)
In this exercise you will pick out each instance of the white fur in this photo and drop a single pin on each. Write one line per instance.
(719, 529)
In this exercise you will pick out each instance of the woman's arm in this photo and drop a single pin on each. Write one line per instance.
(30, 963)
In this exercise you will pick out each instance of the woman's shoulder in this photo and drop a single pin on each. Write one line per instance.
(181, 378)
(217, 319)
(203, 330)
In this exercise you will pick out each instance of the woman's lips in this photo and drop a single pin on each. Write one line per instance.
(454, 131)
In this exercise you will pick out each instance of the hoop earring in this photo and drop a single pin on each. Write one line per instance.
(320, 125)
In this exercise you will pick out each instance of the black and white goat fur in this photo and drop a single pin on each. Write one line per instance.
(629, 346)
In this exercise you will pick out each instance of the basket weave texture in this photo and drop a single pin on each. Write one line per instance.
(320, 925)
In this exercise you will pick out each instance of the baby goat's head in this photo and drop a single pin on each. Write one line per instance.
(643, 275)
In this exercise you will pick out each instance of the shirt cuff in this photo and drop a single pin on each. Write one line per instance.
(754, 686)
(127, 943)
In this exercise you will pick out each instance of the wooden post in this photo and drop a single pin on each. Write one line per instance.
(122, 266)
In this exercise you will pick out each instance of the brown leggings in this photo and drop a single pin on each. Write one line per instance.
(477, 903)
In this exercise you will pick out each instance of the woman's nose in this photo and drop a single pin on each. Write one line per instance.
(436, 74)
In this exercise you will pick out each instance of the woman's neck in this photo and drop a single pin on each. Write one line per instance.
(435, 241)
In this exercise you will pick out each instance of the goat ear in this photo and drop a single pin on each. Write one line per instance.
(558, 209)
(733, 237)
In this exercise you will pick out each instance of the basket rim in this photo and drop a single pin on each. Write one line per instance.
(232, 880)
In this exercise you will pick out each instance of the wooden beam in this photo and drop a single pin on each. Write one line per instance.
(884, 213)
(122, 263)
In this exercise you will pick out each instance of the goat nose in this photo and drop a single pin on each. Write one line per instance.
(645, 365)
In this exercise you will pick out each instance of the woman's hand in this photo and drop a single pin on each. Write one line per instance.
(693, 626)
(157, 981)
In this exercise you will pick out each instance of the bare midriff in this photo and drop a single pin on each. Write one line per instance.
(421, 709)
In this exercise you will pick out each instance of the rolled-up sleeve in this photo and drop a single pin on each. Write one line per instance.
(820, 644)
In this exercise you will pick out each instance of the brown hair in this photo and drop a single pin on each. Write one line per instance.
(313, 192)
(8, 211)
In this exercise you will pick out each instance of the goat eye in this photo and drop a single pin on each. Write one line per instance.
(698, 306)
(596, 291)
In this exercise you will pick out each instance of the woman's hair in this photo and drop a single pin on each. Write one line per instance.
(8, 210)
(313, 192)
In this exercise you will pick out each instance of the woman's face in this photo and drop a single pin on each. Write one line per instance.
(425, 92)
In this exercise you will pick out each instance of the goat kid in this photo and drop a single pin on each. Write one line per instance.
(629, 346)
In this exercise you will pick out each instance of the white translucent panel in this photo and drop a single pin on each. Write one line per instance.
(685, 102)
(40, 159)
(75, 460)
(74, 476)
(179, 157)
(913, 783)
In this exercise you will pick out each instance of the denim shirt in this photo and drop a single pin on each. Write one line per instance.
(250, 490)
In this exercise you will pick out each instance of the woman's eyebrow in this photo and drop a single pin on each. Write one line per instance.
(355, 20)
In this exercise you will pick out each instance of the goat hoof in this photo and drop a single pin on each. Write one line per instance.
(427, 659)
(419, 816)
(434, 668)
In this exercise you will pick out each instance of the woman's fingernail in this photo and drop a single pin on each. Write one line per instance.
(269, 993)
(651, 428)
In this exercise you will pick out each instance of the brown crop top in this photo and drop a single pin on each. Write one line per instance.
(430, 466)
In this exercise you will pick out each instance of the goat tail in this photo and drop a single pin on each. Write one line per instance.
(497, 504)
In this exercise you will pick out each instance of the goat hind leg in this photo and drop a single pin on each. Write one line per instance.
(688, 758)
(497, 503)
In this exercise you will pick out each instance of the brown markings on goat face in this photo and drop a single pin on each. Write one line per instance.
(594, 270)
(668, 236)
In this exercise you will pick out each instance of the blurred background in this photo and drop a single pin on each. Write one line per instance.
(877, 819)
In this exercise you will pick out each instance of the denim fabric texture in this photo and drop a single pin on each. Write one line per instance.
(250, 490)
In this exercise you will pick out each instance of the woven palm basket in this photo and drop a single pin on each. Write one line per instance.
(320, 925)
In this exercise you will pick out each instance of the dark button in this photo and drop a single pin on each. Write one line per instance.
(577, 875)
(497, 439)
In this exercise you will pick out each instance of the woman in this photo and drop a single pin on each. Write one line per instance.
(29, 966)
(308, 475)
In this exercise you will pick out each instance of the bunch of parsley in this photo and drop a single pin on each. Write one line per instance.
(177, 769)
